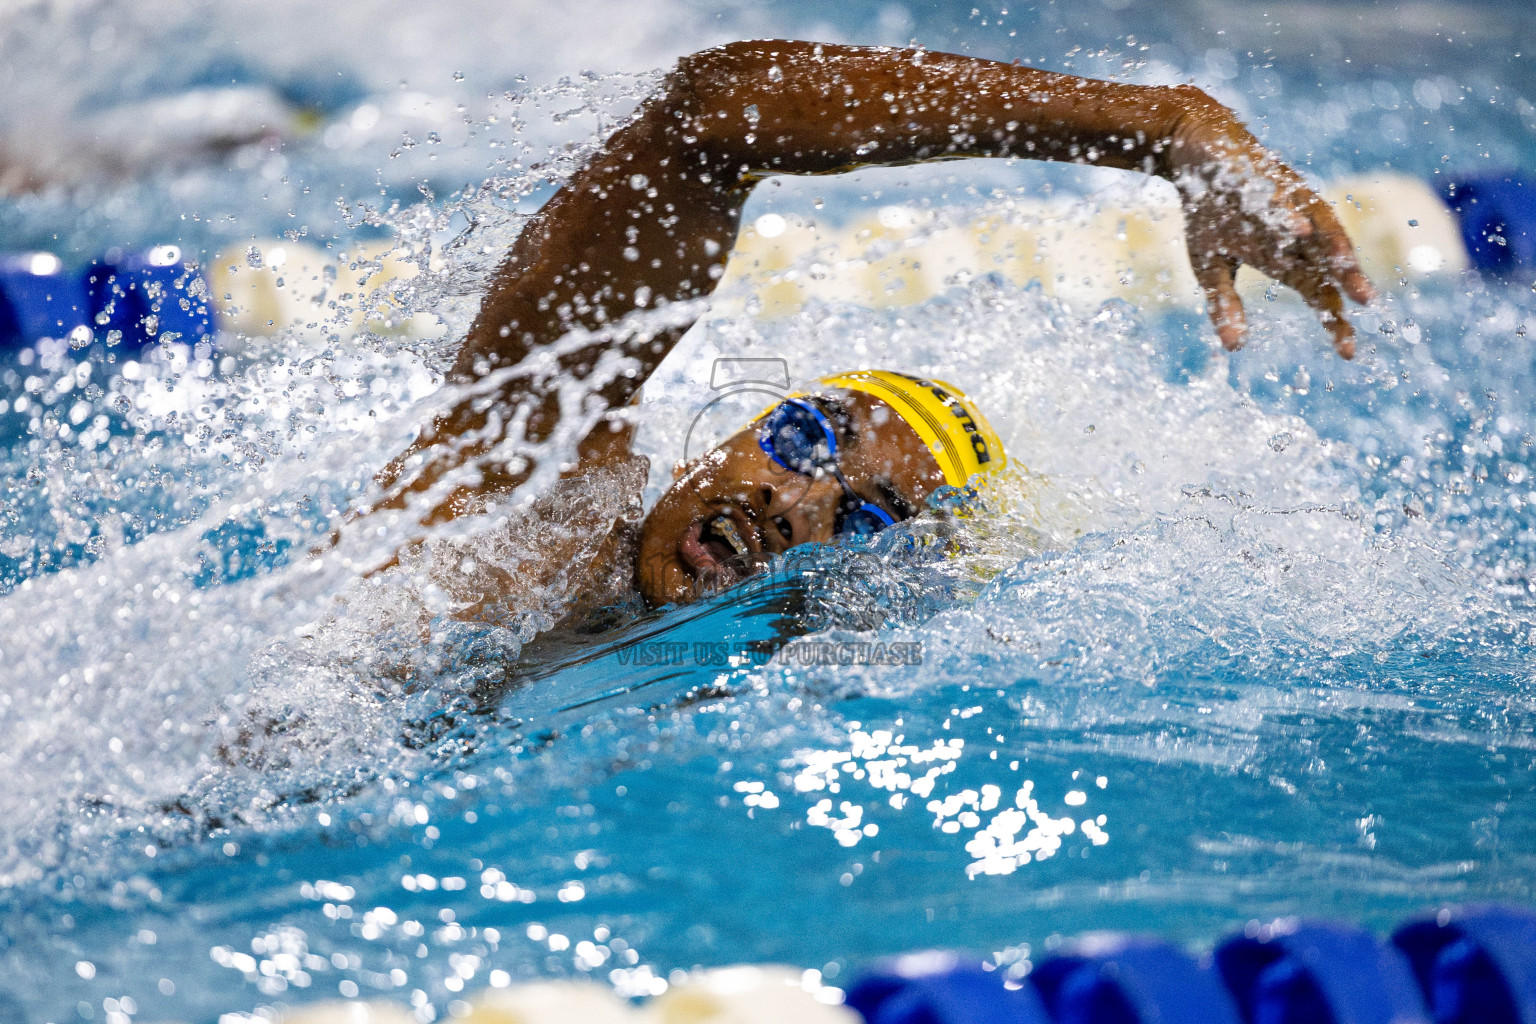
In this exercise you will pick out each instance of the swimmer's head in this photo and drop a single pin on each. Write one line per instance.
(897, 439)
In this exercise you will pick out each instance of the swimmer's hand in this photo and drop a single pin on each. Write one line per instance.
(1243, 205)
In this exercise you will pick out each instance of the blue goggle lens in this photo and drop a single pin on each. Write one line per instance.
(796, 436)
(865, 520)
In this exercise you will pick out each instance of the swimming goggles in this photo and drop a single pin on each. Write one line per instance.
(798, 437)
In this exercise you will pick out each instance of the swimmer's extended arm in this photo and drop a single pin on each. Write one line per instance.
(653, 216)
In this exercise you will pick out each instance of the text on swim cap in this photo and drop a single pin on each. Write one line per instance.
(961, 413)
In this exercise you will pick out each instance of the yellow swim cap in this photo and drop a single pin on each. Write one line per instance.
(959, 436)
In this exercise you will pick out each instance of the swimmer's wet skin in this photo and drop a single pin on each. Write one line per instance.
(651, 218)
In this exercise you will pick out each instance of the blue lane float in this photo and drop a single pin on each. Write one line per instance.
(1460, 966)
(1129, 981)
(1319, 972)
(1497, 214)
(942, 988)
(129, 298)
(149, 295)
(39, 300)
(1475, 966)
(135, 297)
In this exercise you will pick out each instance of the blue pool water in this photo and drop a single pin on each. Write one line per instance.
(1251, 636)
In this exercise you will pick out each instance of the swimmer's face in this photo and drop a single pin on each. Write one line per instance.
(733, 508)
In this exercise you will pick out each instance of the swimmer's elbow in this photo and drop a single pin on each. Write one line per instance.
(1192, 103)
(1190, 95)
(720, 63)
(709, 92)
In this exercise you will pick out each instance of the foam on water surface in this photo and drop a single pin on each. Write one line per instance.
(1180, 590)
(1234, 638)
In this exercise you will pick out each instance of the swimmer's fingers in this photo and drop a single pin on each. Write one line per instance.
(1330, 310)
(1325, 270)
(1317, 260)
(1319, 288)
(1294, 238)
(1331, 244)
(1325, 297)
(1214, 275)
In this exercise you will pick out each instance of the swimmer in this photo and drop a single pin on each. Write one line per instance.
(651, 218)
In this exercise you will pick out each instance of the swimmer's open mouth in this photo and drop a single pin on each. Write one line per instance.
(717, 549)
